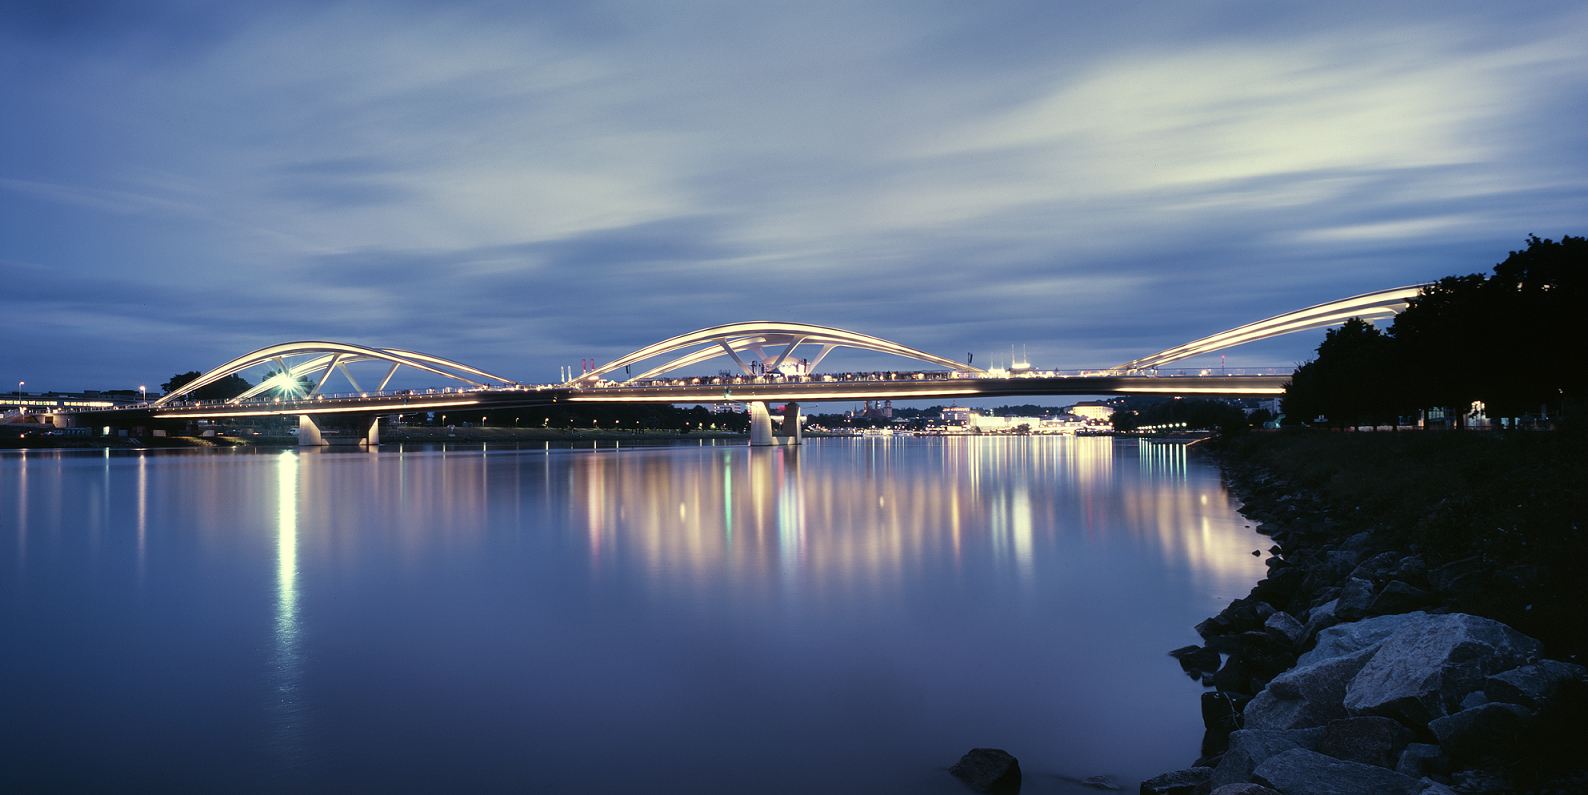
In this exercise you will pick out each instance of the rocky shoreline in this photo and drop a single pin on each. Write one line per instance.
(1352, 668)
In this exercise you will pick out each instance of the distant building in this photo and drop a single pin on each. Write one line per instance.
(19, 407)
(957, 415)
(875, 410)
(1093, 411)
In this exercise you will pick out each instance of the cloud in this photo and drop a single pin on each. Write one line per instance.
(517, 187)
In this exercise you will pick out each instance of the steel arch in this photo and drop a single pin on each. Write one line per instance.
(1368, 306)
(331, 355)
(754, 336)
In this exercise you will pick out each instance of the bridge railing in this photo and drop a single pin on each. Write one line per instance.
(933, 375)
(885, 376)
(327, 397)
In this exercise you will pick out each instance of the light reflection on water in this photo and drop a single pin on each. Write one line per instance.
(425, 619)
(286, 663)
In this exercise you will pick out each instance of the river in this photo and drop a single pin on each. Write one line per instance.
(848, 616)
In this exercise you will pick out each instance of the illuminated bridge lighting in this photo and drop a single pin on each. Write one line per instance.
(765, 353)
(1368, 306)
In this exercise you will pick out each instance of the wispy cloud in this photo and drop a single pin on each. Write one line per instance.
(517, 187)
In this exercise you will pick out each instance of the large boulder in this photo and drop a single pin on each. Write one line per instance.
(1369, 740)
(1423, 759)
(1307, 695)
(1176, 782)
(1424, 669)
(1280, 586)
(1462, 575)
(1244, 789)
(1471, 734)
(1356, 598)
(1221, 714)
(1319, 618)
(1196, 660)
(1342, 639)
(1398, 597)
(1533, 685)
(1284, 627)
(1302, 772)
(1256, 658)
(1250, 748)
(1242, 615)
(1334, 567)
(988, 770)
(1411, 569)
(1377, 566)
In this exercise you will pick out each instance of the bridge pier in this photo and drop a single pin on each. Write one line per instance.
(761, 434)
(309, 433)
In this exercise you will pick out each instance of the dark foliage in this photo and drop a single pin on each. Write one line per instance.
(229, 387)
(1221, 415)
(1509, 341)
(1350, 383)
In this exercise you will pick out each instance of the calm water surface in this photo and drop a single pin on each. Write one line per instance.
(851, 616)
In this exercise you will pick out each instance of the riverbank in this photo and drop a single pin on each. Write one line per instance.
(1420, 625)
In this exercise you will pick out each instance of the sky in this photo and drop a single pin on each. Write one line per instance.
(519, 186)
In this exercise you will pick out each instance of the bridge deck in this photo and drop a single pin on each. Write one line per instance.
(720, 389)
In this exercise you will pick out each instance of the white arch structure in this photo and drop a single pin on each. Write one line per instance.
(329, 356)
(1368, 306)
(755, 337)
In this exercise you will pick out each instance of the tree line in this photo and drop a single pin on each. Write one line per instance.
(1225, 416)
(1511, 341)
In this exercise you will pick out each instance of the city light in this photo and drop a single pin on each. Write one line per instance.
(284, 382)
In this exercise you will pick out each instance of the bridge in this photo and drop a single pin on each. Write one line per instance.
(764, 352)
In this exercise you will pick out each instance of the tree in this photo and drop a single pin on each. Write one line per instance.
(1510, 341)
(226, 388)
(1349, 382)
(1538, 312)
(1443, 344)
(1217, 415)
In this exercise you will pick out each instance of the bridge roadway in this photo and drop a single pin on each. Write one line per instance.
(716, 389)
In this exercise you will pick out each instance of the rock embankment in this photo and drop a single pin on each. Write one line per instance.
(1351, 669)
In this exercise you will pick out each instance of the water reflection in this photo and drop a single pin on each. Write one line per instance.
(459, 619)
(143, 512)
(1163, 459)
(865, 511)
(286, 663)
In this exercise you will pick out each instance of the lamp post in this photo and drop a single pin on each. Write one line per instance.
(143, 394)
(19, 394)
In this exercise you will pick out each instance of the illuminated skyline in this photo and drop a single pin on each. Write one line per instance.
(520, 189)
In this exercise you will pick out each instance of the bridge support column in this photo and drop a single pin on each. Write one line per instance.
(791, 425)
(761, 434)
(371, 431)
(760, 424)
(308, 432)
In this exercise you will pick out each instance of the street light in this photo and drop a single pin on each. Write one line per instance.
(143, 394)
